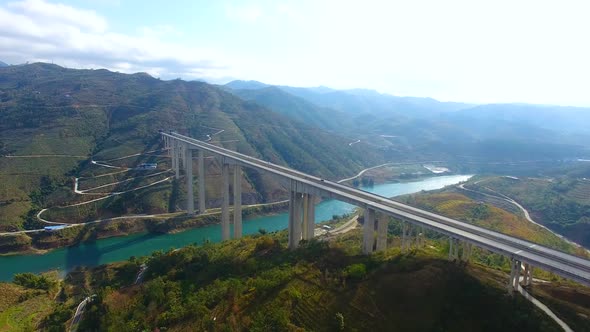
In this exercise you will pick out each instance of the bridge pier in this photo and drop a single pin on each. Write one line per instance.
(368, 231)
(295, 222)
(188, 165)
(182, 158)
(201, 167)
(225, 234)
(382, 233)
(453, 248)
(308, 216)
(237, 202)
(528, 275)
(175, 161)
(404, 230)
(513, 282)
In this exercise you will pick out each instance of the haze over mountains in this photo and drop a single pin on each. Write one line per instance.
(405, 125)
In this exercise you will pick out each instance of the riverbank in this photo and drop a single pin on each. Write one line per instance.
(43, 242)
(119, 248)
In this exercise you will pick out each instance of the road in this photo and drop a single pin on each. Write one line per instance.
(563, 264)
(346, 227)
(544, 308)
(363, 172)
(79, 311)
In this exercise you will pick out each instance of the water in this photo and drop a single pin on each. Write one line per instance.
(121, 248)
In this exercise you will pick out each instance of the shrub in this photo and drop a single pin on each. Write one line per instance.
(356, 271)
(29, 280)
(264, 243)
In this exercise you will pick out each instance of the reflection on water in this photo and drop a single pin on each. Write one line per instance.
(115, 249)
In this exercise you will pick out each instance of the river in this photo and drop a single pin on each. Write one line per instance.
(121, 248)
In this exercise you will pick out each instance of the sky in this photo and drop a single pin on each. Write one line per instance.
(453, 50)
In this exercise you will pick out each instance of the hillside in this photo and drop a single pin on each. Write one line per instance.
(458, 206)
(296, 108)
(256, 284)
(53, 120)
(561, 203)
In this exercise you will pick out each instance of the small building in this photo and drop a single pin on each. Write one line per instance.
(54, 228)
(147, 166)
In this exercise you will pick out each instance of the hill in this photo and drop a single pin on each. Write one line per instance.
(562, 203)
(54, 120)
(257, 284)
(460, 207)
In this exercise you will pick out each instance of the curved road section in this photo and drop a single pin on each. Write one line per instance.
(563, 264)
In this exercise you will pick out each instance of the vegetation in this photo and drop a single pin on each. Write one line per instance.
(30, 280)
(561, 203)
(460, 207)
(255, 283)
(52, 119)
(410, 129)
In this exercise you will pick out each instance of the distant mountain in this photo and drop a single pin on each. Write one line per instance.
(249, 85)
(410, 127)
(559, 118)
(361, 101)
(296, 108)
(3, 64)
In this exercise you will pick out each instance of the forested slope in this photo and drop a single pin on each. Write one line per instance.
(60, 118)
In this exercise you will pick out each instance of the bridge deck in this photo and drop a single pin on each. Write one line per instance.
(566, 265)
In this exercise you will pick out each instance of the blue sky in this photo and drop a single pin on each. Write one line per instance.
(460, 50)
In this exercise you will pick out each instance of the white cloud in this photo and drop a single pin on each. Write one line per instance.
(36, 30)
(248, 13)
(49, 13)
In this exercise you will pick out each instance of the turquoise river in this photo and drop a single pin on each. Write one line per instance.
(121, 248)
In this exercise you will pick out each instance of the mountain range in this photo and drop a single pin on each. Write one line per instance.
(54, 121)
(409, 127)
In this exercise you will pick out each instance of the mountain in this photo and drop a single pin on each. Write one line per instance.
(423, 128)
(250, 85)
(296, 108)
(558, 118)
(3, 64)
(360, 101)
(61, 118)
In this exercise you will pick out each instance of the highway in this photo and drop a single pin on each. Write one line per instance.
(561, 263)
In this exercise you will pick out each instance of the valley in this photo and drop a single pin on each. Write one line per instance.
(97, 166)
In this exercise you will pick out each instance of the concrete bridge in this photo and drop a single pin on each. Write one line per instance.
(304, 189)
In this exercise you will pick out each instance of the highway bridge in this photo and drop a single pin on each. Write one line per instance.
(304, 189)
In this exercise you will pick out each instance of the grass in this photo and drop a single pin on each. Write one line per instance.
(23, 309)
(458, 206)
(249, 285)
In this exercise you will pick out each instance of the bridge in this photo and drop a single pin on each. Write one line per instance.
(304, 189)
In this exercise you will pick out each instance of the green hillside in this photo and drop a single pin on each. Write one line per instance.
(561, 203)
(257, 284)
(52, 119)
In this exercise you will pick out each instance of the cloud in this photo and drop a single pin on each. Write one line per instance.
(243, 13)
(36, 30)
